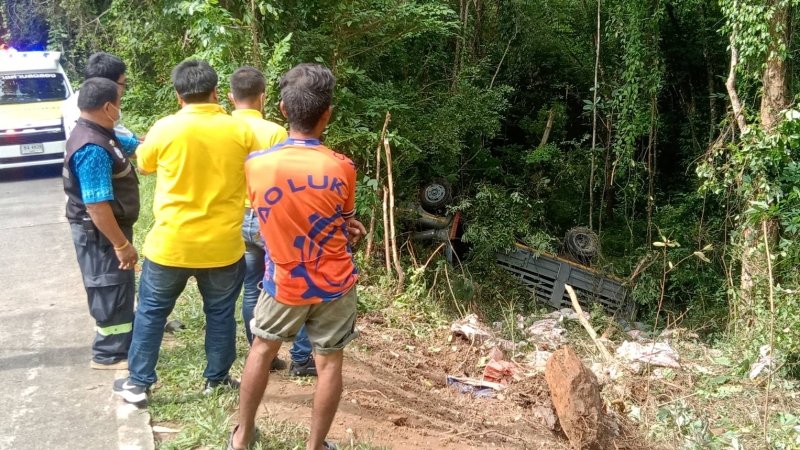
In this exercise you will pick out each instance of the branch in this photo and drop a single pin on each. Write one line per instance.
(582, 319)
(730, 85)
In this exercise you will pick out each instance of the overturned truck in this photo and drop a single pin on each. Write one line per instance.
(544, 275)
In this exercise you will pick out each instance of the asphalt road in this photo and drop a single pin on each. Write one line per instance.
(50, 399)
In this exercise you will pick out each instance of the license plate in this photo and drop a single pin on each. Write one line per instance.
(31, 149)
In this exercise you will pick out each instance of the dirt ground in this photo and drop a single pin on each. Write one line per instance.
(395, 395)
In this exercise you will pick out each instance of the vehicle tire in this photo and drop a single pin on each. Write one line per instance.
(435, 195)
(582, 244)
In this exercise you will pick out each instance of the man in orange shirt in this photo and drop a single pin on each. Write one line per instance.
(304, 196)
(247, 97)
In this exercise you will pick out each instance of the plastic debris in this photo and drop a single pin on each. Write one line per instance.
(653, 353)
(478, 388)
(545, 416)
(547, 332)
(765, 361)
(471, 329)
(565, 314)
(537, 360)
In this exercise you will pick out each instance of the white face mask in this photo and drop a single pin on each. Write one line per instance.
(119, 116)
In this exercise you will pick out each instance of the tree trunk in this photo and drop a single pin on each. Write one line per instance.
(776, 84)
(774, 100)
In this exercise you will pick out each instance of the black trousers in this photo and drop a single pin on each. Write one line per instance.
(110, 293)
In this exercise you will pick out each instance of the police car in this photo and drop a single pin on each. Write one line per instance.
(33, 87)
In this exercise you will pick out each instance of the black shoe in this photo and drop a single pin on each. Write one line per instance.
(226, 382)
(174, 325)
(277, 364)
(131, 393)
(306, 369)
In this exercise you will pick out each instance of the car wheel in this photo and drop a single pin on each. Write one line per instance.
(435, 195)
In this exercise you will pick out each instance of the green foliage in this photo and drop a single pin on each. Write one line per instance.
(498, 218)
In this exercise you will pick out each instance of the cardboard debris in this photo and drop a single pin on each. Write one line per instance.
(653, 353)
(500, 372)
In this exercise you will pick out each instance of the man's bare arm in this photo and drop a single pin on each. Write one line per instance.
(104, 220)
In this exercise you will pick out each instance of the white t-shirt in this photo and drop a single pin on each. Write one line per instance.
(71, 114)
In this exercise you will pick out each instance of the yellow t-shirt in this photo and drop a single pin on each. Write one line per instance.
(267, 133)
(198, 155)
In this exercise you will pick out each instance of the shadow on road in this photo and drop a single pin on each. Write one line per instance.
(30, 173)
(51, 357)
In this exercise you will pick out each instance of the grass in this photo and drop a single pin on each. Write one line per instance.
(177, 402)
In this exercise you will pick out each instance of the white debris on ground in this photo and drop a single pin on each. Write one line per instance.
(653, 353)
(765, 362)
(537, 360)
(547, 333)
(471, 328)
(566, 314)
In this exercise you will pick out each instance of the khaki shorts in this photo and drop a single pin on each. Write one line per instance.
(330, 325)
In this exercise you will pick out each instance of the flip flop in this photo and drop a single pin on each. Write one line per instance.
(256, 437)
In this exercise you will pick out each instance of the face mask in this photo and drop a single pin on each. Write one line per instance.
(119, 116)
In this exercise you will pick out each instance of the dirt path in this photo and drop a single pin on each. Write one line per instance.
(395, 396)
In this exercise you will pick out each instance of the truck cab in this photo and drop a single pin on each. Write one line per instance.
(33, 87)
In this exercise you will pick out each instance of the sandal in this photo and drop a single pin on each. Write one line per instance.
(253, 440)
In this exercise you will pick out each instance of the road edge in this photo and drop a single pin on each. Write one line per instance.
(134, 431)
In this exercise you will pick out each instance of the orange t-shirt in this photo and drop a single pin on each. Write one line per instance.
(303, 192)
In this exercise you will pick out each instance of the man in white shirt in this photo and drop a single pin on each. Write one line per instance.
(102, 65)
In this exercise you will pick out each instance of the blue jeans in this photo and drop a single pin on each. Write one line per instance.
(254, 257)
(159, 288)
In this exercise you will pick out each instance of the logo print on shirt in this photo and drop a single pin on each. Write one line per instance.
(312, 247)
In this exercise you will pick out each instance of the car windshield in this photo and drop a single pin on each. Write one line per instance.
(32, 87)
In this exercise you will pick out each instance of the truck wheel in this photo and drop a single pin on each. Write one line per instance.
(435, 195)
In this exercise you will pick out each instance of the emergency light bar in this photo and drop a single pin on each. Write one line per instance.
(28, 61)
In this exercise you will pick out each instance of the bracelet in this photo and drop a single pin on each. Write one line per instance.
(123, 246)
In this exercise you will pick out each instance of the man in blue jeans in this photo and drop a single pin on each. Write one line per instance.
(198, 156)
(247, 96)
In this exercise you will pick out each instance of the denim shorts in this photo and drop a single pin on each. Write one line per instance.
(330, 325)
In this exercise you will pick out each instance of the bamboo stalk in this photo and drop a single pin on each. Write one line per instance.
(586, 325)
(371, 232)
(549, 127)
(386, 251)
(392, 232)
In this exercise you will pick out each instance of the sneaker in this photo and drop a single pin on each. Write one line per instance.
(306, 369)
(117, 365)
(131, 393)
(227, 382)
(330, 446)
(277, 364)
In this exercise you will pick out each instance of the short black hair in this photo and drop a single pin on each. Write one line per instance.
(104, 65)
(96, 92)
(194, 80)
(247, 83)
(307, 92)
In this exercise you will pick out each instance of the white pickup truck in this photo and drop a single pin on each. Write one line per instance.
(33, 87)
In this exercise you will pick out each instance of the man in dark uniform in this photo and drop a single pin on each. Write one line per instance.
(102, 206)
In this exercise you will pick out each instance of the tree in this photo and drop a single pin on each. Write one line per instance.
(745, 20)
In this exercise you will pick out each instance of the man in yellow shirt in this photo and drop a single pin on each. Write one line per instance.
(198, 156)
(247, 97)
